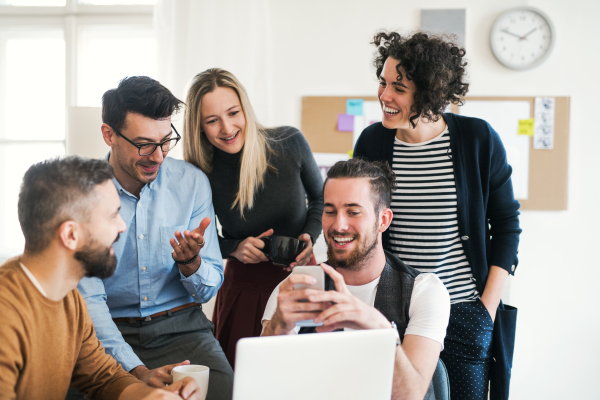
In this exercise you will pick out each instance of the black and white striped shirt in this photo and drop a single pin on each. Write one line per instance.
(424, 232)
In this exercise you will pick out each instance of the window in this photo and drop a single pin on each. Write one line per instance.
(46, 3)
(55, 54)
(130, 50)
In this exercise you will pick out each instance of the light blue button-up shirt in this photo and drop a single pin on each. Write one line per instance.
(147, 280)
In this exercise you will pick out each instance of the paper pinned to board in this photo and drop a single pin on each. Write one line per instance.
(359, 126)
(345, 123)
(504, 116)
(371, 114)
(326, 160)
(526, 127)
(354, 106)
(543, 130)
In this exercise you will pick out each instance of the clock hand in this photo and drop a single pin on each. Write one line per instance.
(530, 32)
(510, 33)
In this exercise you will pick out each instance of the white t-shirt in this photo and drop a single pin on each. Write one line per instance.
(35, 282)
(428, 313)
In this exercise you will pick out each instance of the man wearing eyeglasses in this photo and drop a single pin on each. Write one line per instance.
(148, 315)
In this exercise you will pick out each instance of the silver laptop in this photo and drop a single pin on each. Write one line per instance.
(327, 366)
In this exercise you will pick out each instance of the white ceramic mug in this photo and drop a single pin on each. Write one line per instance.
(198, 372)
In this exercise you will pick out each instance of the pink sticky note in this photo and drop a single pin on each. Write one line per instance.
(345, 123)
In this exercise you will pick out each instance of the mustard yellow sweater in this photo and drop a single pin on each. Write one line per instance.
(47, 346)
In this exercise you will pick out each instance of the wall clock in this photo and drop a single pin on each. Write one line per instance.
(522, 38)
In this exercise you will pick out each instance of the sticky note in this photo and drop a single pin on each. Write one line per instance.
(354, 106)
(351, 153)
(345, 123)
(526, 127)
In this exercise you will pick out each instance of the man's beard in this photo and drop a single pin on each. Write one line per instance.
(132, 171)
(97, 261)
(355, 261)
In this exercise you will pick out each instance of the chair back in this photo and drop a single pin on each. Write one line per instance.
(441, 383)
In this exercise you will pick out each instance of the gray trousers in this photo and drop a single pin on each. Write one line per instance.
(185, 335)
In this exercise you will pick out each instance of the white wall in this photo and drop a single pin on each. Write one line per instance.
(321, 47)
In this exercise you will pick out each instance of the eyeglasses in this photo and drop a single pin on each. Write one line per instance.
(148, 148)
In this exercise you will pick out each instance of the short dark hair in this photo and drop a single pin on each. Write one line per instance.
(434, 63)
(380, 175)
(139, 95)
(55, 191)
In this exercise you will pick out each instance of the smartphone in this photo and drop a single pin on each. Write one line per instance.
(316, 272)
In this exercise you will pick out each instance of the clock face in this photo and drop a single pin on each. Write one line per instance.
(522, 38)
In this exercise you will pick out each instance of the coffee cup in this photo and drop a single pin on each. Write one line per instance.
(198, 372)
(282, 250)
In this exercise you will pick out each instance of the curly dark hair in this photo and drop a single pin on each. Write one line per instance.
(434, 63)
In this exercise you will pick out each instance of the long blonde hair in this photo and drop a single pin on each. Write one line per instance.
(199, 151)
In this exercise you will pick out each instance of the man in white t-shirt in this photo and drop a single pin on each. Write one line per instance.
(367, 288)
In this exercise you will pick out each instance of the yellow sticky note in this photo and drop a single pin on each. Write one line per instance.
(526, 127)
(351, 153)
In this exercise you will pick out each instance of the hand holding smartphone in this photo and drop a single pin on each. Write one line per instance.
(316, 272)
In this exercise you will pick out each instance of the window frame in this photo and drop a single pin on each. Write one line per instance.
(72, 7)
(70, 18)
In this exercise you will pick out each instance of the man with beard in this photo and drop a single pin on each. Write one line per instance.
(69, 214)
(149, 314)
(367, 288)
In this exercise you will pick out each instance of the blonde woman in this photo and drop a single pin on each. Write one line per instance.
(261, 180)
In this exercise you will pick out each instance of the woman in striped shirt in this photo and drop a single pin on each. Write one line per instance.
(454, 210)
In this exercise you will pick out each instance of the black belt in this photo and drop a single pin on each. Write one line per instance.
(158, 314)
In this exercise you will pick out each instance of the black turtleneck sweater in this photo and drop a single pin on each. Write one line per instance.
(281, 204)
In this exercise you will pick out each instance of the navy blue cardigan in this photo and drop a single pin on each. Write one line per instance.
(487, 212)
(488, 217)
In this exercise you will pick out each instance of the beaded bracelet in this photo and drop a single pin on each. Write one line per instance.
(191, 260)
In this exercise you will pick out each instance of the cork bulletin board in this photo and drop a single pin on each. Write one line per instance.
(319, 123)
(548, 169)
